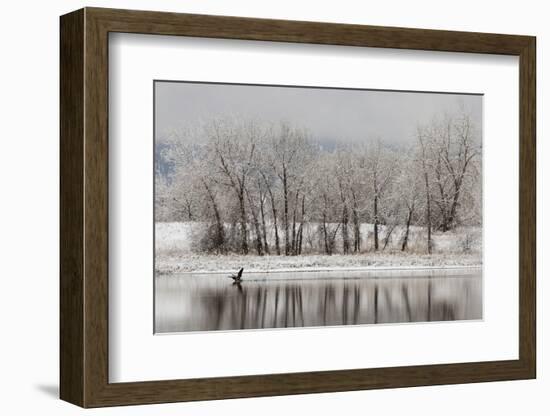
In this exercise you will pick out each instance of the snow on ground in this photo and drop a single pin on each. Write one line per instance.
(173, 237)
(174, 254)
(253, 263)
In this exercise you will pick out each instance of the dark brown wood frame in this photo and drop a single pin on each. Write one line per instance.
(84, 207)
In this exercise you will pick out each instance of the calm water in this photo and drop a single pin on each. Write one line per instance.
(208, 302)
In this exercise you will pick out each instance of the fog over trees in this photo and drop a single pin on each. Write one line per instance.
(272, 188)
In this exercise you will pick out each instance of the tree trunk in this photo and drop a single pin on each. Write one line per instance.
(276, 227)
(259, 247)
(300, 239)
(376, 222)
(325, 231)
(274, 213)
(428, 212)
(294, 235)
(301, 229)
(454, 205)
(244, 230)
(264, 228)
(406, 237)
(188, 209)
(220, 231)
(345, 233)
(443, 205)
(388, 236)
(356, 227)
(285, 215)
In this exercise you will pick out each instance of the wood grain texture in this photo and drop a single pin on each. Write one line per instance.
(71, 203)
(96, 208)
(527, 208)
(162, 23)
(84, 207)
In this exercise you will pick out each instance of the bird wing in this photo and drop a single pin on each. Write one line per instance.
(240, 273)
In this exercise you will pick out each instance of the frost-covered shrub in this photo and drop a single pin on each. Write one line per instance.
(208, 238)
(466, 242)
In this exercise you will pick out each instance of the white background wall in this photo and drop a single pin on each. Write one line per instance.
(29, 208)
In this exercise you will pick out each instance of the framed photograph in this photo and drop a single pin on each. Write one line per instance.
(255, 207)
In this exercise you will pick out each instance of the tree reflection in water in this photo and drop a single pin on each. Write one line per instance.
(210, 302)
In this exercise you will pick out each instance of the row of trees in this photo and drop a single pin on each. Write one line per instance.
(259, 187)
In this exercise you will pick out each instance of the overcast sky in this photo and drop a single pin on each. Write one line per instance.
(329, 114)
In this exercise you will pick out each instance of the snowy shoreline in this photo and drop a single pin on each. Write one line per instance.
(201, 264)
(334, 269)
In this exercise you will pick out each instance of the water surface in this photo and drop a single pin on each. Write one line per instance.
(209, 302)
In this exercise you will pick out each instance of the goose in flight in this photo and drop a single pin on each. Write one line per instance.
(237, 278)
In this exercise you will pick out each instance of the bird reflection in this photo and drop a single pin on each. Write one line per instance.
(238, 286)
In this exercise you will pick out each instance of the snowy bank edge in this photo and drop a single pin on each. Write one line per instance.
(327, 269)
